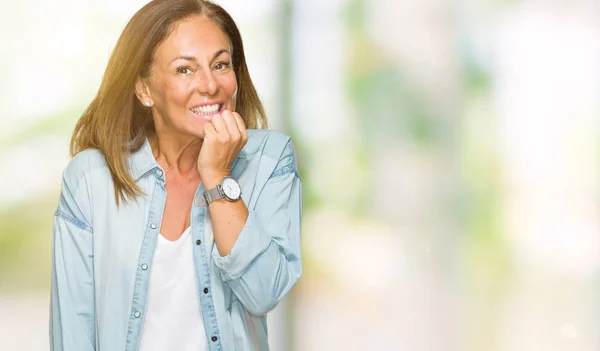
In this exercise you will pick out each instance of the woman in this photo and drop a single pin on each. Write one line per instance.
(154, 248)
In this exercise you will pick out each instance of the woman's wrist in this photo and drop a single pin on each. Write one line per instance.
(211, 179)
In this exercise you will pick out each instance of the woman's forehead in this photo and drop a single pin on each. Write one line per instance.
(193, 36)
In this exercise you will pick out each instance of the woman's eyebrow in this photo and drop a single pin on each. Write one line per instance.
(218, 53)
(192, 58)
(188, 58)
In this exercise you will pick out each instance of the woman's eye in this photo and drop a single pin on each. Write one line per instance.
(184, 70)
(222, 65)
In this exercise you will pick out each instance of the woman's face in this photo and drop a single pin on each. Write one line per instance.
(191, 79)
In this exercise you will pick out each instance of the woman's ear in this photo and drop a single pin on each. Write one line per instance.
(143, 92)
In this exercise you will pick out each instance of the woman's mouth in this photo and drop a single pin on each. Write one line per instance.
(207, 111)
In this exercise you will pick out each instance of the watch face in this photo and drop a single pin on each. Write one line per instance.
(231, 188)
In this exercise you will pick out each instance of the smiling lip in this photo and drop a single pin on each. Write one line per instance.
(207, 110)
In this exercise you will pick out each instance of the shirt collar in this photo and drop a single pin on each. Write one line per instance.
(143, 161)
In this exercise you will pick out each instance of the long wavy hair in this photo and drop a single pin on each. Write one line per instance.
(115, 122)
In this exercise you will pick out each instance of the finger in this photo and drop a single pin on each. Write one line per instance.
(209, 131)
(240, 122)
(220, 126)
(241, 126)
(232, 126)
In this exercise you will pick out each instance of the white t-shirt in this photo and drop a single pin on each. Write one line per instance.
(173, 317)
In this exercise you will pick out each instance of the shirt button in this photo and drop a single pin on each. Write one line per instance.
(198, 242)
(214, 338)
(153, 226)
(137, 314)
(206, 290)
(160, 173)
(144, 266)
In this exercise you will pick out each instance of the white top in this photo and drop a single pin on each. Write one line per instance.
(173, 317)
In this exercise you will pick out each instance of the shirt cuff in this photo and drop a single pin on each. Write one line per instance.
(251, 242)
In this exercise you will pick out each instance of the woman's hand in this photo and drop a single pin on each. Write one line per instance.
(224, 138)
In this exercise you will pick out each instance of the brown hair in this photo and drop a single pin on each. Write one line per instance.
(115, 122)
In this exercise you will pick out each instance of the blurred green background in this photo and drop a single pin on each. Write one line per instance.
(448, 152)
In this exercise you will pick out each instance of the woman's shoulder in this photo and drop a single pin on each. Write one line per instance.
(83, 163)
(266, 142)
(271, 149)
(74, 203)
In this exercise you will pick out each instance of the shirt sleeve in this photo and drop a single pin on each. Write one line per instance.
(72, 311)
(265, 261)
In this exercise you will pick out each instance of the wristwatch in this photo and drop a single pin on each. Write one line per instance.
(229, 189)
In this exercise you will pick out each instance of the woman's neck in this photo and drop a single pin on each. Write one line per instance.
(175, 155)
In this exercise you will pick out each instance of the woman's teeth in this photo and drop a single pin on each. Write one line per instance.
(206, 109)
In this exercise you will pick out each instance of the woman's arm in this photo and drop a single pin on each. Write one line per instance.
(228, 218)
(265, 262)
(72, 311)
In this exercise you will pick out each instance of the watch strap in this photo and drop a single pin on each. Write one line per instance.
(208, 196)
(213, 194)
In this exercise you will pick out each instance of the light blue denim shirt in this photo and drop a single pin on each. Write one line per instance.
(102, 254)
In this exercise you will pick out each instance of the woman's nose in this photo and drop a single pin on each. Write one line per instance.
(207, 84)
